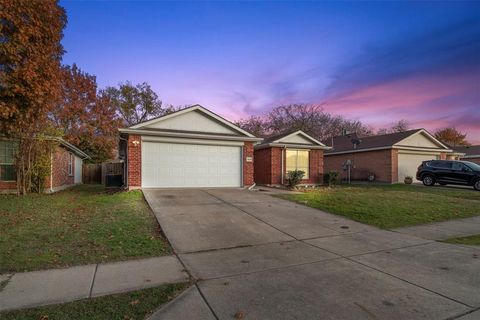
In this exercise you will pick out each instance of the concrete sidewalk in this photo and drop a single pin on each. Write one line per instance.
(31, 289)
(444, 230)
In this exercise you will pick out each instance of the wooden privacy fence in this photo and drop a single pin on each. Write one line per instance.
(92, 173)
(110, 174)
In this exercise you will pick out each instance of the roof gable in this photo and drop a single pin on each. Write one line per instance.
(421, 139)
(298, 137)
(193, 119)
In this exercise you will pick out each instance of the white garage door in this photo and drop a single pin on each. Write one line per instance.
(190, 165)
(408, 164)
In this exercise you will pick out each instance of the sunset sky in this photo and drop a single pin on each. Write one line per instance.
(377, 62)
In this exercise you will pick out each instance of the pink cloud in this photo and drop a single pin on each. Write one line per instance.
(431, 101)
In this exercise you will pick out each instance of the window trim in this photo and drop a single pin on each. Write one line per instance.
(307, 173)
(12, 164)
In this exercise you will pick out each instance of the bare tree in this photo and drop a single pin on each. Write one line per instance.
(309, 118)
(256, 125)
(400, 126)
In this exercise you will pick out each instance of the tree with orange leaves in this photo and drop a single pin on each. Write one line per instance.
(30, 55)
(86, 118)
(452, 137)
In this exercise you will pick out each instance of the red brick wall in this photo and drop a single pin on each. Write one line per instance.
(263, 166)
(475, 160)
(134, 161)
(60, 169)
(276, 177)
(248, 167)
(8, 185)
(315, 167)
(268, 166)
(60, 176)
(383, 163)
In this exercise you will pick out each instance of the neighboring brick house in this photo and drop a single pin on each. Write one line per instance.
(389, 157)
(193, 147)
(66, 167)
(277, 155)
(470, 153)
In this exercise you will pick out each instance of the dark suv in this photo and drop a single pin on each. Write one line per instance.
(449, 172)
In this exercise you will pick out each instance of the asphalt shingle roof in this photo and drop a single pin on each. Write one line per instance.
(344, 143)
(469, 151)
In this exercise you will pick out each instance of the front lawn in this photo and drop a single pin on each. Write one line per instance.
(393, 206)
(470, 240)
(124, 306)
(81, 225)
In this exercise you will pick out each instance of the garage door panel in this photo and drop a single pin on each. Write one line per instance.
(408, 164)
(185, 165)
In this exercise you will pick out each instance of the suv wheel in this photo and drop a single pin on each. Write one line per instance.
(428, 180)
(476, 186)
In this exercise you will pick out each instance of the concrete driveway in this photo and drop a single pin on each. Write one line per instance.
(260, 257)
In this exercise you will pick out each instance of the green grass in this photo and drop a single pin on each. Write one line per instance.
(81, 225)
(132, 305)
(470, 240)
(393, 206)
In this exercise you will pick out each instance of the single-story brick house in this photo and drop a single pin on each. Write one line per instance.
(193, 147)
(277, 155)
(66, 166)
(470, 153)
(389, 157)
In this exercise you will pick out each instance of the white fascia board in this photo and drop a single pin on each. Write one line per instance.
(300, 132)
(188, 135)
(72, 148)
(191, 109)
(355, 151)
(389, 147)
(192, 141)
(293, 146)
(421, 149)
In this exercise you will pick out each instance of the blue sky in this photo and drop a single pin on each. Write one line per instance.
(373, 61)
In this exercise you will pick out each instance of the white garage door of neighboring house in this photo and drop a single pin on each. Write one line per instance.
(190, 165)
(408, 164)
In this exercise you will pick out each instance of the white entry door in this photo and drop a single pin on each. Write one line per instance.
(409, 162)
(167, 165)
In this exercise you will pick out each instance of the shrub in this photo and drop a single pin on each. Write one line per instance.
(294, 177)
(331, 178)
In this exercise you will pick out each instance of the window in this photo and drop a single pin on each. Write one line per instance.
(7, 159)
(441, 164)
(70, 164)
(297, 160)
(472, 165)
(458, 166)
